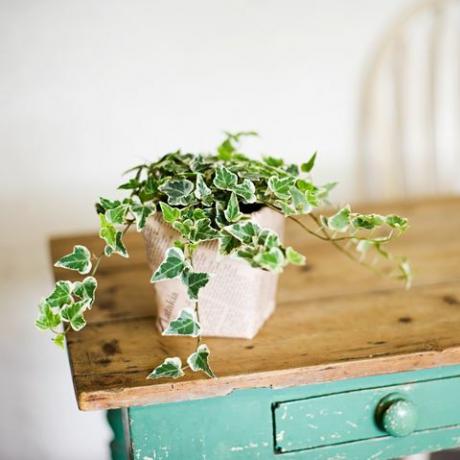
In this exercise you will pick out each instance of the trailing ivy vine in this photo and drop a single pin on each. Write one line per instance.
(211, 197)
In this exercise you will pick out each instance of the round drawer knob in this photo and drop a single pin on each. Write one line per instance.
(397, 415)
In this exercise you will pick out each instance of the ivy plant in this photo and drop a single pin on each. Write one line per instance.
(212, 197)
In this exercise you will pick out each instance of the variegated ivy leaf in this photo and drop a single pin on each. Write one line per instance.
(194, 281)
(185, 324)
(269, 239)
(280, 186)
(130, 185)
(73, 314)
(228, 244)
(272, 260)
(79, 259)
(246, 190)
(308, 166)
(59, 340)
(286, 209)
(299, 200)
(170, 214)
(171, 367)
(244, 232)
(61, 295)
(178, 191)
(225, 179)
(201, 189)
(367, 221)
(272, 161)
(294, 257)
(340, 221)
(141, 213)
(225, 150)
(232, 212)
(86, 289)
(171, 267)
(106, 204)
(201, 230)
(47, 318)
(199, 361)
(107, 231)
(293, 170)
(113, 238)
(397, 222)
(117, 215)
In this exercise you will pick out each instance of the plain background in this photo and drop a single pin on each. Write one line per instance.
(89, 88)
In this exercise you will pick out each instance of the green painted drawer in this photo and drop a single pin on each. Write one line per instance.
(339, 418)
(255, 424)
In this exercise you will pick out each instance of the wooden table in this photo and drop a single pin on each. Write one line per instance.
(309, 385)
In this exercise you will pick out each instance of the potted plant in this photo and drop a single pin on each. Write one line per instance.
(213, 228)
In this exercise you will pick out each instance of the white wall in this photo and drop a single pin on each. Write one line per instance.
(87, 88)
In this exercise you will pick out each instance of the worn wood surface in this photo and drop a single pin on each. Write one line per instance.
(334, 319)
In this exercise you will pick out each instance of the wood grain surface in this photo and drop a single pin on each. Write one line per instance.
(334, 319)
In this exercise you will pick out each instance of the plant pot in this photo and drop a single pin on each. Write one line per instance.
(238, 298)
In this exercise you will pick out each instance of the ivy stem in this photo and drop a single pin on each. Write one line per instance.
(341, 248)
(329, 237)
(96, 264)
(189, 256)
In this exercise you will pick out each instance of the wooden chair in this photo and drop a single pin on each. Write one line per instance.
(409, 117)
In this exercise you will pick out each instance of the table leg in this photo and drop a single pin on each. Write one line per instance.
(118, 446)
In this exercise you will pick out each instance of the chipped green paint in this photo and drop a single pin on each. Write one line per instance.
(330, 421)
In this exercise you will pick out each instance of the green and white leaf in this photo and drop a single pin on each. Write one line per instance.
(117, 215)
(194, 281)
(113, 238)
(47, 318)
(59, 340)
(280, 186)
(246, 190)
(73, 314)
(178, 191)
(294, 257)
(141, 213)
(199, 361)
(61, 295)
(171, 367)
(246, 232)
(171, 267)
(79, 259)
(232, 212)
(272, 260)
(340, 221)
(170, 214)
(228, 244)
(308, 166)
(225, 179)
(86, 289)
(269, 239)
(201, 230)
(299, 200)
(367, 221)
(185, 324)
(201, 189)
(394, 221)
(108, 204)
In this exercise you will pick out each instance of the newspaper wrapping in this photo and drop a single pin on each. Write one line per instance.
(238, 298)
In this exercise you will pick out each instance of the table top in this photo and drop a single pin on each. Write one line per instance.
(334, 319)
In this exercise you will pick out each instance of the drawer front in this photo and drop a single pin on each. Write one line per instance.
(357, 415)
